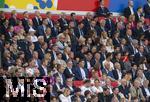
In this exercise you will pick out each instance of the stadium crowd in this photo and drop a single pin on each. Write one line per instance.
(88, 60)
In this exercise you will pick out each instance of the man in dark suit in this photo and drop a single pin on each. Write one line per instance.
(139, 14)
(49, 20)
(129, 10)
(43, 68)
(80, 72)
(78, 96)
(102, 10)
(86, 21)
(58, 87)
(37, 20)
(9, 35)
(29, 52)
(69, 84)
(68, 72)
(139, 54)
(4, 26)
(132, 47)
(147, 9)
(42, 51)
(42, 28)
(25, 19)
(138, 31)
(73, 19)
(63, 21)
(116, 40)
(124, 88)
(110, 25)
(94, 27)
(79, 30)
(13, 18)
(117, 73)
(105, 96)
(60, 73)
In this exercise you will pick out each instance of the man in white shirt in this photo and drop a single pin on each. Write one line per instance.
(65, 97)
(129, 10)
(86, 86)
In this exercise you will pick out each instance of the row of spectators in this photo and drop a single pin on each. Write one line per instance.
(111, 59)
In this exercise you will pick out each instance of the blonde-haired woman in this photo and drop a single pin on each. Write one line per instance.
(109, 45)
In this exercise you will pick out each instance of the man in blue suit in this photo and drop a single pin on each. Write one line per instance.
(80, 72)
(42, 28)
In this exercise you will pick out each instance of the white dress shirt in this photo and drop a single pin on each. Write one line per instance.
(65, 98)
(97, 89)
(83, 73)
(132, 11)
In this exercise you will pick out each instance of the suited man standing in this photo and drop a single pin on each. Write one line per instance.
(102, 10)
(129, 10)
(42, 28)
(63, 21)
(79, 30)
(147, 9)
(139, 14)
(25, 19)
(37, 20)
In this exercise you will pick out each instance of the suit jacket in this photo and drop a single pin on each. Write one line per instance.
(137, 57)
(50, 23)
(137, 18)
(63, 77)
(24, 22)
(12, 21)
(137, 33)
(116, 42)
(124, 90)
(63, 23)
(78, 74)
(147, 11)
(86, 23)
(28, 54)
(127, 12)
(67, 72)
(3, 29)
(103, 98)
(96, 29)
(55, 88)
(79, 32)
(115, 74)
(110, 25)
(82, 98)
(41, 53)
(102, 12)
(41, 30)
(37, 23)
(41, 70)
(74, 43)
